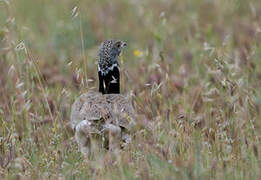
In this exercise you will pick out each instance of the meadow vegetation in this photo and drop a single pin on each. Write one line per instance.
(192, 69)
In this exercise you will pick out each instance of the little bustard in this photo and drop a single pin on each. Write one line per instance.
(107, 113)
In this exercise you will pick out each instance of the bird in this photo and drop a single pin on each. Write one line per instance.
(106, 117)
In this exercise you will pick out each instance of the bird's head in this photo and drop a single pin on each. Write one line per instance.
(111, 49)
(117, 47)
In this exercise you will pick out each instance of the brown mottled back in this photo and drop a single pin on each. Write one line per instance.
(110, 108)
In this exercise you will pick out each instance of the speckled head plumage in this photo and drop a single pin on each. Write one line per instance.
(108, 55)
(108, 66)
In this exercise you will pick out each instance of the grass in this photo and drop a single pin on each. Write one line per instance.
(192, 67)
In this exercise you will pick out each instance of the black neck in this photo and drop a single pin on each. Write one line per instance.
(110, 82)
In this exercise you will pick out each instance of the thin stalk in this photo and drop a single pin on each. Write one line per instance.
(83, 52)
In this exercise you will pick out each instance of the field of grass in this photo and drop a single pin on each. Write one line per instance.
(192, 68)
